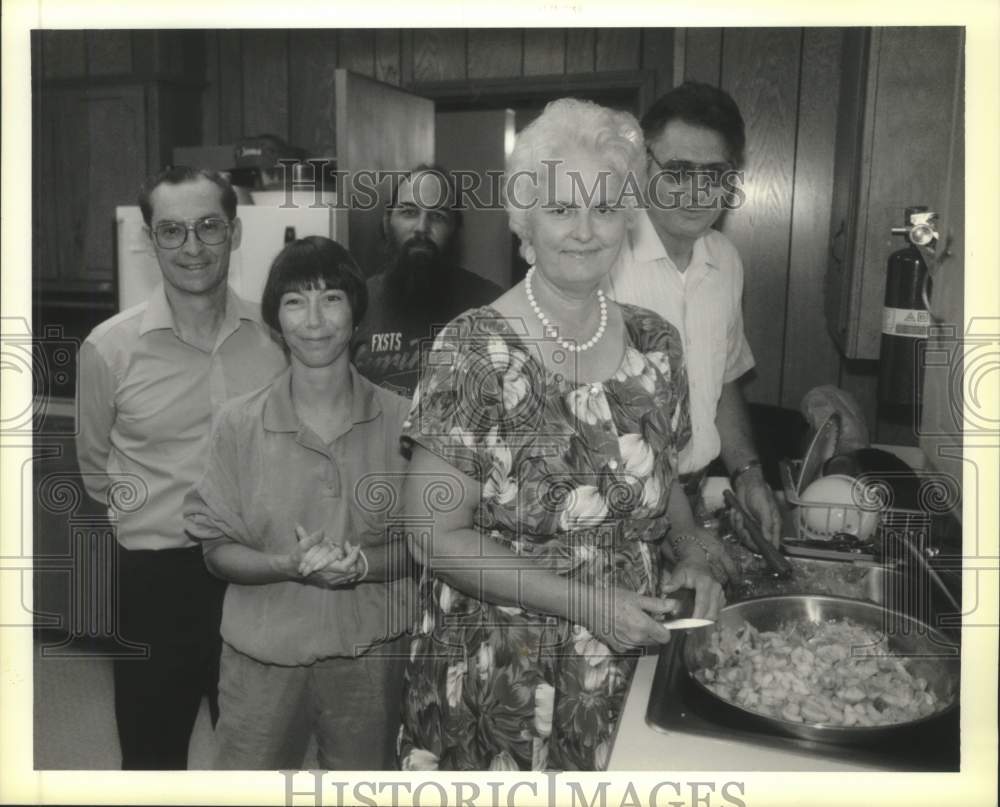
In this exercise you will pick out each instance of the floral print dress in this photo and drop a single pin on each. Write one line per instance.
(574, 479)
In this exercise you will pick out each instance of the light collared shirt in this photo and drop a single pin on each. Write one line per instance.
(146, 407)
(267, 472)
(704, 303)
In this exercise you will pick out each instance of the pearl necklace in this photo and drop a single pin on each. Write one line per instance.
(551, 330)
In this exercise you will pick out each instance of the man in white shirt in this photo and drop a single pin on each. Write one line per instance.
(690, 274)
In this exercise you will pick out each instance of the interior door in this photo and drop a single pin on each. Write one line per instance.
(379, 128)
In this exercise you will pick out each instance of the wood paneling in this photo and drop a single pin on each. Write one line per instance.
(48, 118)
(898, 177)
(406, 57)
(438, 54)
(109, 52)
(580, 50)
(92, 157)
(284, 80)
(703, 54)
(844, 192)
(66, 111)
(117, 155)
(357, 51)
(941, 430)
(617, 49)
(231, 86)
(494, 53)
(144, 53)
(760, 70)
(474, 140)
(387, 55)
(544, 51)
(265, 83)
(809, 352)
(171, 105)
(210, 95)
(312, 57)
(658, 56)
(64, 54)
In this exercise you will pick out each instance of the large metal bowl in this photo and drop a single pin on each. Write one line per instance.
(932, 656)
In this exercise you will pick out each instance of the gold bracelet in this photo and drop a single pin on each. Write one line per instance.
(755, 463)
(715, 566)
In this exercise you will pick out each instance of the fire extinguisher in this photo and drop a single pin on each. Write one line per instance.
(905, 320)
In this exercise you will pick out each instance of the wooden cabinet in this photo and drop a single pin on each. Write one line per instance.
(900, 110)
(94, 143)
(84, 176)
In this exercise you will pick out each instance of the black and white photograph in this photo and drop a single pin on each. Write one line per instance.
(597, 411)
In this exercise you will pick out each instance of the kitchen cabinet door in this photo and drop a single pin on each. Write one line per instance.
(91, 155)
(896, 120)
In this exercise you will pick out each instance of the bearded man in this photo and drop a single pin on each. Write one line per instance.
(422, 286)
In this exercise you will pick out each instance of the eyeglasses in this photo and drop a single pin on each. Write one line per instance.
(210, 231)
(682, 172)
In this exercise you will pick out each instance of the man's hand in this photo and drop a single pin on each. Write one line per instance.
(708, 594)
(756, 496)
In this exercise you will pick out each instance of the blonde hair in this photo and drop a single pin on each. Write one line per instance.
(565, 125)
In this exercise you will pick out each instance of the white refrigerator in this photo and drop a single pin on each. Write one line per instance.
(264, 229)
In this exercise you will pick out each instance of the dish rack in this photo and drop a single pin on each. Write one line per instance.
(896, 526)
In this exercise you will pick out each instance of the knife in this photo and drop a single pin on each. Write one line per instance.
(774, 559)
(681, 618)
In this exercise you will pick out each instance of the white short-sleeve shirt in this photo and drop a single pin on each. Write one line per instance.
(704, 303)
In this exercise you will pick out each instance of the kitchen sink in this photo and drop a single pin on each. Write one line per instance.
(901, 588)
(859, 581)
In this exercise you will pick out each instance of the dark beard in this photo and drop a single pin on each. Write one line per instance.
(419, 277)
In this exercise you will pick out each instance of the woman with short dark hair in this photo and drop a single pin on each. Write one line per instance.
(292, 511)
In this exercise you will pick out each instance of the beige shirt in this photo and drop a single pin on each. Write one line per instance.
(704, 303)
(146, 406)
(266, 472)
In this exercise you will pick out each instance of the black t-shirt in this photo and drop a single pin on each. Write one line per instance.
(386, 347)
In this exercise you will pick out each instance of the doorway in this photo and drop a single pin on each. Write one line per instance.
(475, 124)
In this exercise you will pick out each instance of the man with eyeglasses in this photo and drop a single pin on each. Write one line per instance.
(151, 380)
(679, 266)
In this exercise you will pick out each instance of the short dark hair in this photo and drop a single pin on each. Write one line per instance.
(703, 105)
(309, 263)
(179, 174)
(429, 168)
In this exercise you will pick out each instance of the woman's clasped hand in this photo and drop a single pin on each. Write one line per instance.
(320, 561)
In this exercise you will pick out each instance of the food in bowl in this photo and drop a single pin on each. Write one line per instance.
(832, 673)
(838, 504)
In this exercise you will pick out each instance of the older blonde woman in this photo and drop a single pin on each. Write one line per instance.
(543, 479)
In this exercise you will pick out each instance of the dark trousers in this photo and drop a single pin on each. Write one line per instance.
(169, 602)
